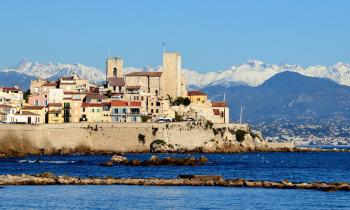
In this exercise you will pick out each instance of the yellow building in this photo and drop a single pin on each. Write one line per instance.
(55, 113)
(197, 96)
(39, 110)
(91, 112)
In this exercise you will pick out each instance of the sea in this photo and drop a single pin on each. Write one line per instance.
(272, 166)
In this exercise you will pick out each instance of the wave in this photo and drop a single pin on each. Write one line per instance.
(47, 161)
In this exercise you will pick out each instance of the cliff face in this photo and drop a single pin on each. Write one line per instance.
(128, 137)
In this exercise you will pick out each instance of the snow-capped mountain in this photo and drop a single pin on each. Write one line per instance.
(56, 70)
(252, 73)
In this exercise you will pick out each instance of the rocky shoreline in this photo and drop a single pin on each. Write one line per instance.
(182, 180)
(195, 151)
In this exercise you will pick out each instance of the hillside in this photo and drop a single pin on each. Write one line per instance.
(287, 95)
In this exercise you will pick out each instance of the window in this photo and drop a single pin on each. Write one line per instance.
(156, 110)
(36, 103)
(83, 109)
(92, 110)
(157, 103)
(156, 92)
(115, 71)
(151, 110)
(105, 108)
(97, 110)
(56, 115)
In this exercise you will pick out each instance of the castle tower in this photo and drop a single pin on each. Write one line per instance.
(114, 67)
(171, 79)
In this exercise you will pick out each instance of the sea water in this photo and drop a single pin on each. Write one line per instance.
(306, 167)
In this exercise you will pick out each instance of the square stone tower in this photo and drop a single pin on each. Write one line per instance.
(171, 80)
(114, 67)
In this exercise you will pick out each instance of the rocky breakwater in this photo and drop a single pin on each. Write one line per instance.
(155, 161)
(182, 180)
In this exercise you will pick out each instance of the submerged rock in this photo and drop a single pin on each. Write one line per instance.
(119, 159)
(155, 161)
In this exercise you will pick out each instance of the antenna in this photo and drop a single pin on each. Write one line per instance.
(240, 115)
(224, 97)
(163, 47)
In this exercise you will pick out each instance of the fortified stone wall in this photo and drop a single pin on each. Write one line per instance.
(127, 137)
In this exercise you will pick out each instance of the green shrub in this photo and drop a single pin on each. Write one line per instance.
(208, 124)
(240, 135)
(181, 101)
(178, 118)
(142, 138)
(144, 118)
(154, 131)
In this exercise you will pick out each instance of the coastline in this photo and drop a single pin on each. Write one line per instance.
(119, 138)
(116, 138)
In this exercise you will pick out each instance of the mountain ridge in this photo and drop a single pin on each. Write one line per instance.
(251, 73)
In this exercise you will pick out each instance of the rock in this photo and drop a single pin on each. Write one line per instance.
(108, 163)
(154, 158)
(135, 163)
(46, 175)
(203, 159)
(119, 159)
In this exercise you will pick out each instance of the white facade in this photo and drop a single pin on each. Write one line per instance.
(56, 95)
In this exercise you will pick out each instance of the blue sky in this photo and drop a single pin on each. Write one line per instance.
(210, 35)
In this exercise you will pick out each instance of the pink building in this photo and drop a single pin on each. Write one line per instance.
(38, 100)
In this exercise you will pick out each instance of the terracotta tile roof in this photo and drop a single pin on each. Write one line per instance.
(9, 89)
(5, 106)
(55, 104)
(50, 84)
(69, 92)
(54, 112)
(216, 112)
(116, 81)
(106, 103)
(218, 104)
(121, 103)
(67, 78)
(84, 104)
(195, 93)
(142, 74)
(67, 83)
(135, 103)
(95, 96)
(117, 94)
(133, 87)
(27, 113)
(33, 107)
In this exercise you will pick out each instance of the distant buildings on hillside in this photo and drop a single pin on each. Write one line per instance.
(131, 97)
